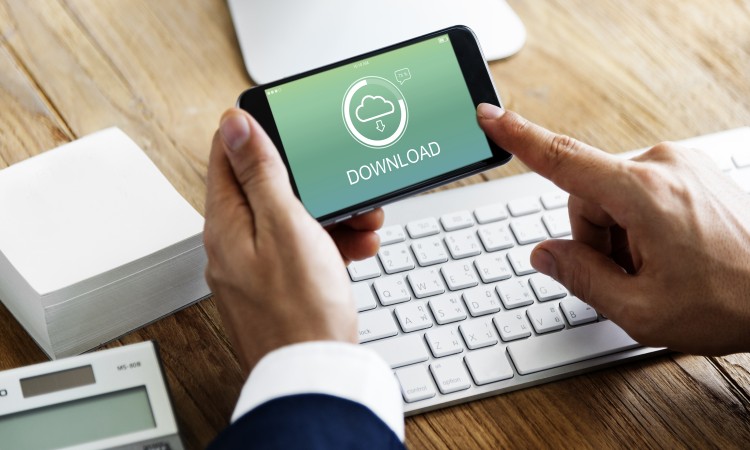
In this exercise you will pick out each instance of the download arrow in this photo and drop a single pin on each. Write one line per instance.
(380, 126)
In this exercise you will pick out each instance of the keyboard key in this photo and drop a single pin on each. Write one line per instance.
(456, 220)
(478, 333)
(413, 316)
(426, 282)
(491, 213)
(391, 234)
(577, 312)
(415, 384)
(429, 251)
(555, 199)
(364, 298)
(462, 244)
(374, 325)
(481, 300)
(557, 223)
(447, 308)
(495, 237)
(489, 365)
(528, 230)
(741, 159)
(401, 351)
(524, 206)
(545, 318)
(391, 290)
(364, 270)
(492, 268)
(423, 227)
(520, 260)
(512, 326)
(514, 293)
(570, 346)
(444, 341)
(450, 374)
(546, 288)
(395, 258)
(459, 275)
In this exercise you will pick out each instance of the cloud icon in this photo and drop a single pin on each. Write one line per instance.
(373, 107)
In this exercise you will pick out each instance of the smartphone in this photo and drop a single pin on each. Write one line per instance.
(381, 126)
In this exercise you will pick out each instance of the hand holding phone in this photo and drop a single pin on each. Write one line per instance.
(369, 130)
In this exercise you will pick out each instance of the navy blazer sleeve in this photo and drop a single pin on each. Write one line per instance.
(308, 421)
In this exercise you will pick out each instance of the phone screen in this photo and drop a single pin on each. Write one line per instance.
(366, 129)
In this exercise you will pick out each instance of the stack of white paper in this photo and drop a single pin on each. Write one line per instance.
(95, 242)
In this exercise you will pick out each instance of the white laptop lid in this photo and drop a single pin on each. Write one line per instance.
(280, 38)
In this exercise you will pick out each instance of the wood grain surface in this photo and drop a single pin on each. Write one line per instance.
(619, 75)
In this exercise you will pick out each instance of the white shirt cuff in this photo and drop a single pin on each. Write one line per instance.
(339, 369)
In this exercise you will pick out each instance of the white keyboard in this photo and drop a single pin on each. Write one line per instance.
(453, 305)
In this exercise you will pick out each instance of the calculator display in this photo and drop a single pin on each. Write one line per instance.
(79, 421)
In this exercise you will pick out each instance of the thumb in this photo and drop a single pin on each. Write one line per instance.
(255, 161)
(586, 273)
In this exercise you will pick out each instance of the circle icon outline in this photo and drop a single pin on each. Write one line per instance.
(349, 124)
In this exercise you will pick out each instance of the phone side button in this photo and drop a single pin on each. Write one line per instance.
(341, 219)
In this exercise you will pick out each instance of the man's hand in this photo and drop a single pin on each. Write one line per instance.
(277, 275)
(661, 243)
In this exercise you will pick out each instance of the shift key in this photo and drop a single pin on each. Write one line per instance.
(376, 325)
(401, 351)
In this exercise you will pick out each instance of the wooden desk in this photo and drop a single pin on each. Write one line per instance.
(620, 75)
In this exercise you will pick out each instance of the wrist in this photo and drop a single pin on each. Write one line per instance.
(256, 342)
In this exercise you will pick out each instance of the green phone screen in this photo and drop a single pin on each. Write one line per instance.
(380, 124)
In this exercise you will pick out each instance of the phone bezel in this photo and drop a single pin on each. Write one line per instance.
(476, 76)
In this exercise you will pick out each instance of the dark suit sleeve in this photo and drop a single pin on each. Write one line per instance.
(308, 421)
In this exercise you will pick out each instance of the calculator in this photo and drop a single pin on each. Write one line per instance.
(114, 398)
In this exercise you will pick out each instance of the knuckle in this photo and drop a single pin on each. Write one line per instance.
(672, 153)
(518, 125)
(210, 240)
(663, 151)
(213, 257)
(562, 145)
(559, 151)
(210, 274)
(214, 275)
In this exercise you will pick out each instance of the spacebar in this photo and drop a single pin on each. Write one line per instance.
(569, 346)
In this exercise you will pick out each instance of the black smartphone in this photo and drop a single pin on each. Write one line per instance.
(381, 126)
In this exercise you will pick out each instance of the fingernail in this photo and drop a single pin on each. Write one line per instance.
(235, 130)
(489, 111)
(544, 262)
